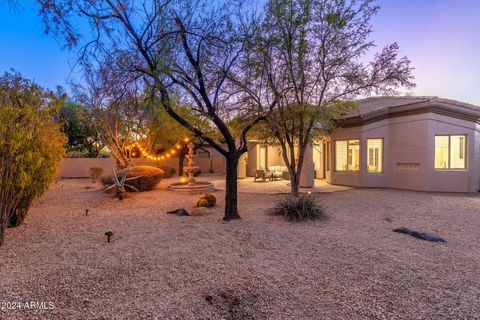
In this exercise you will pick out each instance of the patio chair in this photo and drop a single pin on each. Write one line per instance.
(260, 174)
(275, 172)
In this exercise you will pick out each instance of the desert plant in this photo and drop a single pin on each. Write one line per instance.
(305, 207)
(212, 200)
(95, 173)
(31, 145)
(202, 202)
(147, 178)
(168, 172)
(207, 200)
(120, 186)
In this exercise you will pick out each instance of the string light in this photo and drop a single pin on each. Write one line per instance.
(163, 156)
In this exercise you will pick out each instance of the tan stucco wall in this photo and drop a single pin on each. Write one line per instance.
(252, 158)
(274, 156)
(78, 167)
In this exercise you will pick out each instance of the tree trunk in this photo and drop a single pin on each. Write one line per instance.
(181, 158)
(295, 185)
(231, 200)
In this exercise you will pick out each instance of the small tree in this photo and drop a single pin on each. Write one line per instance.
(30, 147)
(78, 125)
(313, 53)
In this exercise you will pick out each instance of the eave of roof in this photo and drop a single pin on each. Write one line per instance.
(403, 106)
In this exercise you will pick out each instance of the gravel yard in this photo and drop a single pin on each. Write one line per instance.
(160, 266)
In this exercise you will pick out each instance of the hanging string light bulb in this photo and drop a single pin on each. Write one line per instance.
(165, 155)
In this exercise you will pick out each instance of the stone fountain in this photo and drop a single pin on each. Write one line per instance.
(191, 185)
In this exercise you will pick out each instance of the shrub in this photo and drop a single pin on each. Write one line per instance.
(208, 200)
(299, 209)
(148, 178)
(202, 202)
(95, 173)
(210, 197)
(31, 145)
(168, 171)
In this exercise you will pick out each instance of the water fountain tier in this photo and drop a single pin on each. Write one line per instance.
(191, 185)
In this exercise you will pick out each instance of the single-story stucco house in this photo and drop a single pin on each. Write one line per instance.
(414, 143)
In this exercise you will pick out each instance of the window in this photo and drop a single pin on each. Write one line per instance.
(262, 158)
(347, 155)
(375, 155)
(450, 152)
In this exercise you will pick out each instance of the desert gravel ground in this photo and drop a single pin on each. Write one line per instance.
(160, 266)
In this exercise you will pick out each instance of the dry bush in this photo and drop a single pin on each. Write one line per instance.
(95, 173)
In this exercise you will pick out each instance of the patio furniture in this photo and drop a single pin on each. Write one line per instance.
(262, 175)
(275, 175)
(276, 172)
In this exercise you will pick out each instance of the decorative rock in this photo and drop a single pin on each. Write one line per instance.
(179, 212)
(420, 235)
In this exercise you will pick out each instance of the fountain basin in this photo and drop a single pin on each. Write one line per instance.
(200, 187)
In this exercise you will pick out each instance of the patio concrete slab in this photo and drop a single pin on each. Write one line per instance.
(247, 185)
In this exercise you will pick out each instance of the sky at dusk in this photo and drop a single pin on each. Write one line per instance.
(440, 37)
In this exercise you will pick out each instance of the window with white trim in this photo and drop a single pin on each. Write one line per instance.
(375, 155)
(450, 152)
(347, 155)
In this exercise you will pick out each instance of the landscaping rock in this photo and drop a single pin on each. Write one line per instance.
(420, 235)
(179, 212)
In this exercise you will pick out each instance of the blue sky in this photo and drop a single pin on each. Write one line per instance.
(441, 37)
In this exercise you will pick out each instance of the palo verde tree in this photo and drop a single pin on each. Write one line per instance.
(314, 53)
(184, 48)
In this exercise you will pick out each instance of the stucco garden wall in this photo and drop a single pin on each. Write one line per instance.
(78, 167)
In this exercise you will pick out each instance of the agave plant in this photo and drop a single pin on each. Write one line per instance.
(119, 185)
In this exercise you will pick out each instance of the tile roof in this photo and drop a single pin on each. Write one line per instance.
(377, 104)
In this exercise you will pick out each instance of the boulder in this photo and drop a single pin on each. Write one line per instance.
(420, 235)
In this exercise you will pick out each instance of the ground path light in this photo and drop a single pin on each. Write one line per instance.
(109, 234)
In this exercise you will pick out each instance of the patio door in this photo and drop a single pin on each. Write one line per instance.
(319, 160)
(262, 158)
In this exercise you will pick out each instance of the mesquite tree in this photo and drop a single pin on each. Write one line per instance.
(184, 48)
(314, 52)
